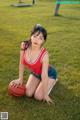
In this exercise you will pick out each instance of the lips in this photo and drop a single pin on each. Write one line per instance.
(35, 43)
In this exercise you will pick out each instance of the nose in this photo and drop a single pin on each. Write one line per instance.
(36, 38)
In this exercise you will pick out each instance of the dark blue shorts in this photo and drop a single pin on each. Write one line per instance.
(52, 73)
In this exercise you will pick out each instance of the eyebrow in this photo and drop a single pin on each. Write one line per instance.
(38, 33)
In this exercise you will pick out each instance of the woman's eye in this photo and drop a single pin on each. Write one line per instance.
(41, 38)
(35, 36)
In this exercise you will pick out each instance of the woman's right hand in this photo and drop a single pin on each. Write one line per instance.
(16, 82)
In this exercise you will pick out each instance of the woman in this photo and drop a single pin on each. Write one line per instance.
(36, 58)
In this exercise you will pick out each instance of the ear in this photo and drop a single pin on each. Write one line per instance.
(31, 37)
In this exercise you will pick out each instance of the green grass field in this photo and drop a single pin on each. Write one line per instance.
(63, 44)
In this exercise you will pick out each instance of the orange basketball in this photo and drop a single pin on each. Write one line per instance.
(17, 91)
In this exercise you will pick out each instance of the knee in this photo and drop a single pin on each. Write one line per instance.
(28, 92)
(38, 96)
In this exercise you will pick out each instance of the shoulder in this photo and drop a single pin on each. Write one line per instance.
(45, 56)
(23, 45)
(45, 62)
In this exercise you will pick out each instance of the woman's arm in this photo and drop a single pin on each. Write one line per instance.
(19, 81)
(44, 76)
(21, 66)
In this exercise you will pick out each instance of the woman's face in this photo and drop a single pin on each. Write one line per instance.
(37, 39)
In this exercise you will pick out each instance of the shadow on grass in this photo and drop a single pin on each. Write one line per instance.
(67, 102)
(73, 7)
(66, 106)
(67, 17)
(71, 17)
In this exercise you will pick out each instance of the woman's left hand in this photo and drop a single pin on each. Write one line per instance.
(48, 99)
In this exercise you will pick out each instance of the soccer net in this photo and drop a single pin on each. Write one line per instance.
(67, 1)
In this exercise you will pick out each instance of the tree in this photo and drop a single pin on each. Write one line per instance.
(33, 1)
(20, 1)
(57, 8)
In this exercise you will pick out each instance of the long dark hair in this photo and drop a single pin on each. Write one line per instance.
(37, 28)
(40, 29)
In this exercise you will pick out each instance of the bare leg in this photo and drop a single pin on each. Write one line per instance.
(31, 85)
(51, 84)
(39, 91)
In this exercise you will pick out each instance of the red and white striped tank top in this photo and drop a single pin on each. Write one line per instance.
(35, 66)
